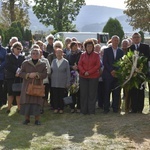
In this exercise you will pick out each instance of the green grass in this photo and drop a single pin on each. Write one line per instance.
(76, 132)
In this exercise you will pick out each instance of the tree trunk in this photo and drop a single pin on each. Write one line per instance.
(12, 10)
(60, 17)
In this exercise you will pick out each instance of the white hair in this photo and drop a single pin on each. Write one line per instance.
(13, 38)
(58, 43)
(49, 36)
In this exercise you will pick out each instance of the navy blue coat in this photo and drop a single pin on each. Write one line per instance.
(109, 60)
(3, 53)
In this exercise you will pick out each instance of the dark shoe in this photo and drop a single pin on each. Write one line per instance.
(115, 111)
(42, 111)
(37, 122)
(26, 122)
(140, 112)
(132, 112)
(100, 107)
(8, 111)
(105, 111)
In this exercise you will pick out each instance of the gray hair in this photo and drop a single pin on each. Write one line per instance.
(13, 38)
(67, 38)
(97, 45)
(115, 36)
(125, 40)
(49, 36)
(35, 46)
(58, 43)
(35, 49)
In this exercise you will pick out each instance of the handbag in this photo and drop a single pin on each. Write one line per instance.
(35, 90)
(67, 100)
(16, 87)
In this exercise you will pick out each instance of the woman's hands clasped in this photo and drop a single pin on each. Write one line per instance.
(32, 75)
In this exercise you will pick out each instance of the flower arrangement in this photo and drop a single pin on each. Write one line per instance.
(132, 70)
(74, 82)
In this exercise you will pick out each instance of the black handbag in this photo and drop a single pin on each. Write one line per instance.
(67, 100)
(16, 87)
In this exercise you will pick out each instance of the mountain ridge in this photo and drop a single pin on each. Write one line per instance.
(91, 18)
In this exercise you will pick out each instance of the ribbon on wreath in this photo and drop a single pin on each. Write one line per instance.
(133, 69)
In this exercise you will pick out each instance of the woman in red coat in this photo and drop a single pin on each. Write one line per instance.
(88, 65)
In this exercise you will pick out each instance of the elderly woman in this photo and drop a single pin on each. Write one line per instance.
(50, 40)
(13, 65)
(60, 80)
(73, 59)
(51, 57)
(89, 72)
(32, 69)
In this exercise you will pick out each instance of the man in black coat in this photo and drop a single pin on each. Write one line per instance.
(137, 95)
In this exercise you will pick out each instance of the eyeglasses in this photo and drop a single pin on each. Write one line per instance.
(34, 53)
(57, 46)
(135, 37)
(19, 49)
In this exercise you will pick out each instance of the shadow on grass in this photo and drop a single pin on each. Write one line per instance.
(134, 127)
(75, 128)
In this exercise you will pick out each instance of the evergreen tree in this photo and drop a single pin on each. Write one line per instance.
(113, 27)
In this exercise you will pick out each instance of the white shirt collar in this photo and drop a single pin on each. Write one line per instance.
(59, 61)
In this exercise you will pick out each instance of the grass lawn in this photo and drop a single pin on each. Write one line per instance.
(76, 132)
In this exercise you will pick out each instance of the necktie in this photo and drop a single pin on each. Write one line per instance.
(137, 46)
(114, 54)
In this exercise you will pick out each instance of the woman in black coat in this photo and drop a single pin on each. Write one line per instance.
(13, 64)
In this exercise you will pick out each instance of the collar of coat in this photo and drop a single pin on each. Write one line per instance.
(38, 63)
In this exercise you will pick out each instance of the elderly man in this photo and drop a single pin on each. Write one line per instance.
(111, 55)
(137, 95)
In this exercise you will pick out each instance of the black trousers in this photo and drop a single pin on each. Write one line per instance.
(58, 95)
(88, 95)
(137, 100)
(5, 92)
(109, 87)
(1, 93)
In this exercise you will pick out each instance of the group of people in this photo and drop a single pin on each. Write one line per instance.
(55, 65)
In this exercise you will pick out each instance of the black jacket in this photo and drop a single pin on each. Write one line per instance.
(12, 64)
